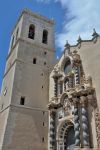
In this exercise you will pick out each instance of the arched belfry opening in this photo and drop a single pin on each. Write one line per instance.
(45, 37)
(66, 136)
(31, 33)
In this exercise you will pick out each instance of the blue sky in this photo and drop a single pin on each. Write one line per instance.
(72, 17)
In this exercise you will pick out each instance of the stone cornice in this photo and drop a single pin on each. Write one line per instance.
(28, 42)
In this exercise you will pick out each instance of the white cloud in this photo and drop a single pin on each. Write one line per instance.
(86, 15)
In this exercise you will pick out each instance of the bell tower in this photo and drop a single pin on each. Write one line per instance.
(25, 87)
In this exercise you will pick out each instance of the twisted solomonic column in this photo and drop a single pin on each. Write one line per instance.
(52, 132)
(76, 124)
(85, 128)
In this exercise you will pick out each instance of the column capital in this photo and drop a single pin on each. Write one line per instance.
(75, 101)
(83, 100)
(52, 112)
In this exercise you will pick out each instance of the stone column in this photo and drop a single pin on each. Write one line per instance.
(52, 132)
(85, 127)
(76, 124)
(77, 74)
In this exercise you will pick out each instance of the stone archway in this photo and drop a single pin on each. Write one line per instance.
(66, 139)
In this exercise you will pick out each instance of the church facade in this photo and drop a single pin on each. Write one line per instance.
(48, 104)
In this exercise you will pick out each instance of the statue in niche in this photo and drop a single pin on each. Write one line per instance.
(66, 84)
(87, 82)
(66, 106)
(61, 114)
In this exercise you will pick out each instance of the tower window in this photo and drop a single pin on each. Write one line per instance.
(45, 53)
(17, 33)
(34, 60)
(43, 112)
(31, 33)
(43, 139)
(44, 63)
(2, 106)
(43, 123)
(12, 43)
(41, 74)
(45, 37)
(22, 101)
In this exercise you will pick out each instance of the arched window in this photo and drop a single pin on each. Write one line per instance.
(17, 33)
(31, 33)
(45, 37)
(12, 42)
(67, 67)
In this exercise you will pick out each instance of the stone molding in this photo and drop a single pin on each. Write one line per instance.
(97, 123)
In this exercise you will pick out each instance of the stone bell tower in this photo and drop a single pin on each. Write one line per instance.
(25, 87)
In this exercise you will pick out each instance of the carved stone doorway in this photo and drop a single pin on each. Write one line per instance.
(66, 136)
(69, 139)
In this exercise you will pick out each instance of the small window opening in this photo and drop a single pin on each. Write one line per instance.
(45, 37)
(43, 139)
(42, 86)
(41, 74)
(43, 112)
(45, 53)
(44, 63)
(43, 123)
(22, 101)
(2, 106)
(17, 33)
(31, 33)
(12, 43)
(34, 60)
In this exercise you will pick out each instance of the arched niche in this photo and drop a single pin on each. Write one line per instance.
(66, 65)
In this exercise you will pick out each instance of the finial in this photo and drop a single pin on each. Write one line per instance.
(79, 39)
(67, 45)
(95, 34)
